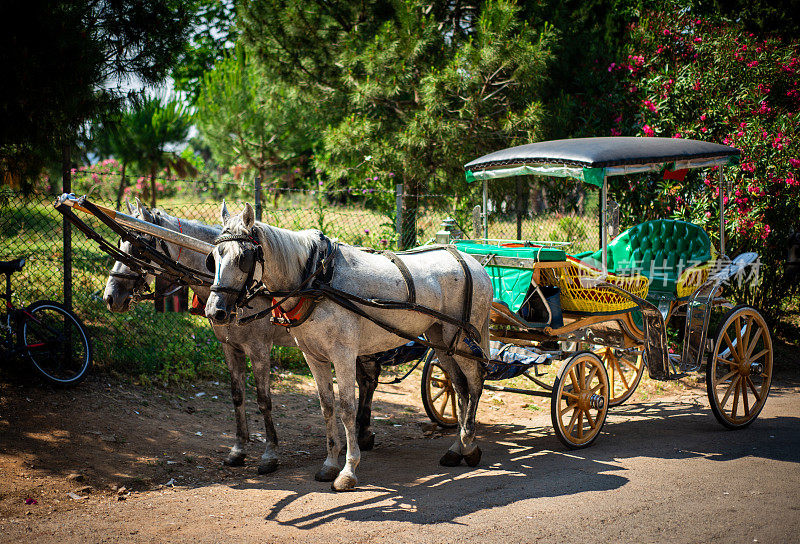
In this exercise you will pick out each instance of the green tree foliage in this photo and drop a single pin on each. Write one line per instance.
(778, 17)
(67, 62)
(690, 77)
(420, 85)
(251, 119)
(145, 134)
(212, 35)
(142, 135)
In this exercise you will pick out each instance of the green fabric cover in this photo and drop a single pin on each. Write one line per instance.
(511, 284)
(660, 250)
(538, 254)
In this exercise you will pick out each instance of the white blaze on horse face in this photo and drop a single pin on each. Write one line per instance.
(228, 275)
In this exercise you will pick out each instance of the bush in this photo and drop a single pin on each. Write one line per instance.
(686, 77)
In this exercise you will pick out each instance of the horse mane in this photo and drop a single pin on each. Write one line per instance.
(289, 249)
(200, 230)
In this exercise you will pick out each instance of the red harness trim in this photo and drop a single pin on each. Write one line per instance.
(286, 319)
(197, 307)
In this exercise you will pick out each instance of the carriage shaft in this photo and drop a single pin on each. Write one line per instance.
(140, 225)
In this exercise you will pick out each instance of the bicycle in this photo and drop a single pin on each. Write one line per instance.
(51, 336)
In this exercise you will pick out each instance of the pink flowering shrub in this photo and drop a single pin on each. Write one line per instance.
(689, 78)
(101, 179)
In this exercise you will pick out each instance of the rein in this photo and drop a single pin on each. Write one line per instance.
(304, 308)
(322, 289)
(145, 257)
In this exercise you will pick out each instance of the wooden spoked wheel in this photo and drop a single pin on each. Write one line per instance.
(579, 403)
(739, 374)
(438, 395)
(625, 371)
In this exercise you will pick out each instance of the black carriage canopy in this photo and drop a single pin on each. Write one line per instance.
(592, 159)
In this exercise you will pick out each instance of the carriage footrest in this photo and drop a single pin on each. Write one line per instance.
(509, 361)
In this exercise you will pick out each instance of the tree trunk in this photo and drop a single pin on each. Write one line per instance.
(152, 190)
(121, 184)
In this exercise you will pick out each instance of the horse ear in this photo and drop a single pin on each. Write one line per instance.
(223, 213)
(248, 216)
(128, 204)
(145, 213)
(139, 207)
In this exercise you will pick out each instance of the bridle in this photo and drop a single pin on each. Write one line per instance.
(250, 257)
(141, 290)
(318, 270)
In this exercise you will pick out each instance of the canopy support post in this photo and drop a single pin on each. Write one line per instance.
(721, 212)
(603, 230)
(485, 209)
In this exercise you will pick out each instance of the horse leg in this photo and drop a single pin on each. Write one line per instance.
(324, 380)
(474, 377)
(367, 372)
(474, 373)
(455, 453)
(261, 364)
(236, 365)
(344, 362)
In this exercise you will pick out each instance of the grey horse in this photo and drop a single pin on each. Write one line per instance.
(253, 340)
(337, 335)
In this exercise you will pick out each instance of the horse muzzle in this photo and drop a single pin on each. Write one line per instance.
(115, 301)
(217, 311)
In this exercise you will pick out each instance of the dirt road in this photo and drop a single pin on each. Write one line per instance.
(662, 471)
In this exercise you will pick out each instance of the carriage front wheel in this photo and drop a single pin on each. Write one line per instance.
(579, 403)
(739, 374)
(438, 394)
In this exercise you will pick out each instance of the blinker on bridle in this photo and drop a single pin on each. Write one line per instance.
(246, 262)
(140, 290)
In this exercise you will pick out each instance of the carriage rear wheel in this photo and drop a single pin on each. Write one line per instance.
(438, 394)
(625, 371)
(739, 374)
(579, 403)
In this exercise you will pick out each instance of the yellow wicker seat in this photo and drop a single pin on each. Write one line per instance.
(575, 297)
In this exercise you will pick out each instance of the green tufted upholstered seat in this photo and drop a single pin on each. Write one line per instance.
(661, 250)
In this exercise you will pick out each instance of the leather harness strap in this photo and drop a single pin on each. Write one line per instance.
(317, 285)
(412, 292)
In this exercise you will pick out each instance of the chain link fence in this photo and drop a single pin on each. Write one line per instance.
(177, 345)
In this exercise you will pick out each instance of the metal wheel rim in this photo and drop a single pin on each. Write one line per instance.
(47, 360)
(743, 340)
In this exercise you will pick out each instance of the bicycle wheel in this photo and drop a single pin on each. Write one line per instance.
(56, 342)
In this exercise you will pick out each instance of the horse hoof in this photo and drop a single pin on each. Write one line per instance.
(451, 459)
(344, 483)
(268, 466)
(234, 460)
(366, 443)
(327, 474)
(472, 459)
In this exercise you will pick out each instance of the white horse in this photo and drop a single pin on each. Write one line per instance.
(333, 334)
(254, 340)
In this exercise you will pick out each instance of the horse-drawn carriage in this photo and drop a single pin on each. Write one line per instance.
(616, 301)
(343, 303)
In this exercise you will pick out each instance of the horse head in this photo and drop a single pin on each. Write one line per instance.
(233, 262)
(123, 282)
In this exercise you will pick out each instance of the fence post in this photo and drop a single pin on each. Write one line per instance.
(398, 208)
(258, 198)
(66, 185)
(519, 207)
